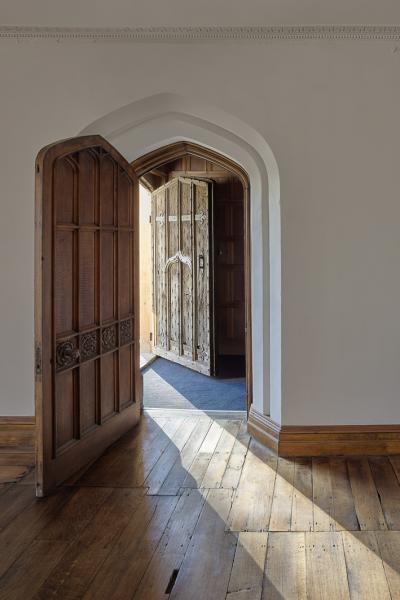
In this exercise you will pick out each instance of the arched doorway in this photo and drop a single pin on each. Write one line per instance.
(139, 130)
(153, 122)
(182, 150)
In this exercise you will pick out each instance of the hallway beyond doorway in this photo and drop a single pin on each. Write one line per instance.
(169, 385)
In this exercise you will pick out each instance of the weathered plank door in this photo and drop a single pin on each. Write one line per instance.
(88, 384)
(182, 300)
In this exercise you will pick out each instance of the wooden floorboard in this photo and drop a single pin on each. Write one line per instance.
(189, 506)
(208, 562)
(285, 567)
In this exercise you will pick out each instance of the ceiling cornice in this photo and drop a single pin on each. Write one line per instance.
(204, 34)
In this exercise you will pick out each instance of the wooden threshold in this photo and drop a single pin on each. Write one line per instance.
(194, 412)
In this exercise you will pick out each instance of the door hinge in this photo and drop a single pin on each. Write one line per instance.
(38, 361)
(151, 336)
(150, 219)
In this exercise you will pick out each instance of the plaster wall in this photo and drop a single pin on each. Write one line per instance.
(329, 112)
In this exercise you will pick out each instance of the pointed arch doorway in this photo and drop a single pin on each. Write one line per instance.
(176, 165)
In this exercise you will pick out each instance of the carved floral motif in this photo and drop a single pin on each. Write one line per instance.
(125, 332)
(67, 354)
(89, 345)
(109, 338)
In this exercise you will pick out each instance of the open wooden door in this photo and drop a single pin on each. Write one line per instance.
(182, 270)
(88, 383)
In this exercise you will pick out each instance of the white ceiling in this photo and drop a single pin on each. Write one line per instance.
(144, 13)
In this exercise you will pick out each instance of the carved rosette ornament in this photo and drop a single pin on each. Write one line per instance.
(67, 354)
(125, 332)
(89, 345)
(108, 339)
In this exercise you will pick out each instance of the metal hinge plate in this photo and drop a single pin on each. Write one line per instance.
(38, 361)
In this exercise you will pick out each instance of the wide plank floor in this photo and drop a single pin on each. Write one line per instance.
(187, 506)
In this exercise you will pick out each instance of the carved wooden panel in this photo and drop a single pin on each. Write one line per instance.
(88, 241)
(181, 273)
(229, 267)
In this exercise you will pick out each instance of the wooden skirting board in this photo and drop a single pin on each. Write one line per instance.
(324, 440)
(17, 441)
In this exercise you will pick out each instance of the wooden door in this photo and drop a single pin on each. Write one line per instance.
(230, 306)
(88, 386)
(181, 273)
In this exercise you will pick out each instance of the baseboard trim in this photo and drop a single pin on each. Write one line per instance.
(324, 440)
(17, 441)
(263, 429)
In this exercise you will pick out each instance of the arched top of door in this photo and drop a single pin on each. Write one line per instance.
(171, 152)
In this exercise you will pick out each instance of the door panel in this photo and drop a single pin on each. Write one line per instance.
(229, 268)
(181, 273)
(88, 383)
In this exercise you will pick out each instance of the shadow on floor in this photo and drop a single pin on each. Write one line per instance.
(169, 385)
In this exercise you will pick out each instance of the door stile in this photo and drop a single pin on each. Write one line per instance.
(211, 267)
(98, 283)
(164, 274)
(117, 240)
(180, 279)
(194, 272)
(135, 287)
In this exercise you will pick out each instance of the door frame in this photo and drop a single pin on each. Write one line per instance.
(165, 154)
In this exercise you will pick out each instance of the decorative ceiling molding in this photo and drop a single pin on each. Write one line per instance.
(205, 34)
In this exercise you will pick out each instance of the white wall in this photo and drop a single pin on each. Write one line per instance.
(329, 111)
(132, 13)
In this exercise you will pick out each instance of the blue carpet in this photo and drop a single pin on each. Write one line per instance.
(168, 385)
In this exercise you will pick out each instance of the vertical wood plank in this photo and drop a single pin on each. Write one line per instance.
(172, 547)
(302, 510)
(178, 473)
(236, 460)
(128, 560)
(326, 566)
(206, 568)
(388, 489)
(251, 508)
(199, 466)
(281, 512)
(218, 463)
(163, 466)
(322, 495)
(368, 508)
(389, 548)
(344, 511)
(365, 570)
(285, 568)
(246, 578)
